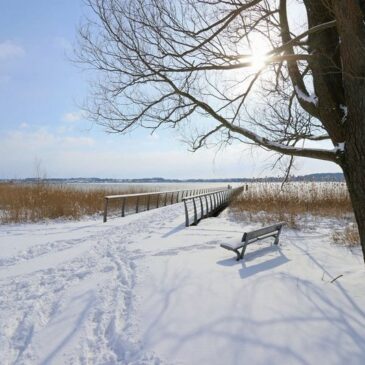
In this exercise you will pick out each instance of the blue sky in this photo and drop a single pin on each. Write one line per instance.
(41, 122)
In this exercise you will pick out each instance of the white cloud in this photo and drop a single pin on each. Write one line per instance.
(78, 141)
(69, 154)
(9, 49)
(42, 139)
(73, 116)
(24, 125)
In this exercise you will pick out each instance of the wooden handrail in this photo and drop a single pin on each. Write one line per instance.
(179, 195)
(219, 199)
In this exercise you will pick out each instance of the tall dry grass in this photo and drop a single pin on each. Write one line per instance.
(348, 236)
(36, 202)
(269, 202)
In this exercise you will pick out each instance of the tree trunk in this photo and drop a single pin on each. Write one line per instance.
(354, 172)
(351, 29)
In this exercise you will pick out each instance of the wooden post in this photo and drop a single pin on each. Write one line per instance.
(137, 204)
(206, 206)
(201, 207)
(195, 212)
(105, 210)
(123, 207)
(186, 214)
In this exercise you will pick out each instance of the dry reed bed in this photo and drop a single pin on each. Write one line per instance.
(36, 202)
(269, 202)
(324, 199)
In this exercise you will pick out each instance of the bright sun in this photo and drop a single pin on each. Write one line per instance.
(256, 54)
(257, 60)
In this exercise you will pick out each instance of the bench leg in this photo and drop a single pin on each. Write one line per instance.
(242, 252)
(276, 242)
(238, 255)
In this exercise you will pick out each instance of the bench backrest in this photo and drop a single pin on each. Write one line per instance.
(248, 236)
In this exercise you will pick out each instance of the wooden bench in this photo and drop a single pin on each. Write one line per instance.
(253, 236)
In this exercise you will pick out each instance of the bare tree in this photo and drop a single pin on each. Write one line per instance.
(162, 62)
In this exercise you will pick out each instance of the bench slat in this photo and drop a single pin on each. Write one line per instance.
(261, 232)
(252, 240)
(236, 246)
(232, 247)
(253, 236)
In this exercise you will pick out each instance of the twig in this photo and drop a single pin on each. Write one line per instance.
(337, 277)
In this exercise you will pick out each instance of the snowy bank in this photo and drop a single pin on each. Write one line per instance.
(146, 290)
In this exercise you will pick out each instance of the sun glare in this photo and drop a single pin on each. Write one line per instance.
(257, 60)
(256, 54)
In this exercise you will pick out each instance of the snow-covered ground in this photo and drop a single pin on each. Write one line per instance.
(146, 290)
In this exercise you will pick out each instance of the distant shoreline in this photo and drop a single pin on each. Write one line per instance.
(319, 177)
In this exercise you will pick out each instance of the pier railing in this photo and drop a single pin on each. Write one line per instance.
(208, 204)
(135, 203)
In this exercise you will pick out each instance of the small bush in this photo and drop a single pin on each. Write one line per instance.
(348, 236)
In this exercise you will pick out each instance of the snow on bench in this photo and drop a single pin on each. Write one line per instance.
(253, 236)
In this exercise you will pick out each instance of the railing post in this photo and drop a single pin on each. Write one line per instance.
(137, 203)
(123, 207)
(105, 209)
(186, 214)
(172, 198)
(148, 202)
(211, 204)
(158, 200)
(165, 199)
(195, 212)
(206, 205)
(177, 196)
(201, 207)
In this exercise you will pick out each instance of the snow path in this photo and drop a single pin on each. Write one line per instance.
(66, 291)
(146, 290)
